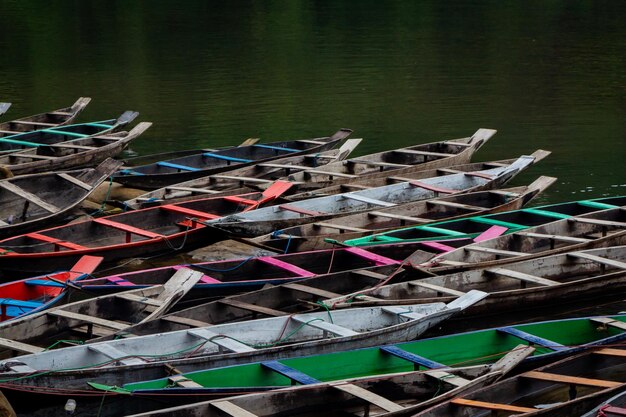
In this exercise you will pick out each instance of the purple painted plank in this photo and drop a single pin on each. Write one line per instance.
(119, 281)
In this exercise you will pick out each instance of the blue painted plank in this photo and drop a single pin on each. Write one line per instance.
(531, 338)
(44, 283)
(290, 373)
(412, 357)
(176, 166)
(19, 303)
(277, 148)
(226, 158)
(130, 172)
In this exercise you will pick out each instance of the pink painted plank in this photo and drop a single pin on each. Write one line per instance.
(286, 266)
(120, 281)
(438, 246)
(433, 187)
(205, 278)
(493, 231)
(378, 259)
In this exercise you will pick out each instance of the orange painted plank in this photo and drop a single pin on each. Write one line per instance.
(491, 406)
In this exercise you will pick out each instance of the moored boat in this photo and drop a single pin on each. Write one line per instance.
(203, 163)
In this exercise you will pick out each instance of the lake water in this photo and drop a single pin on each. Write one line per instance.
(545, 74)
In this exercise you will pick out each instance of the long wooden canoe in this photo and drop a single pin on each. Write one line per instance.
(566, 388)
(157, 230)
(222, 278)
(273, 219)
(29, 202)
(31, 295)
(398, 394)
(45, 120)
(511, 221)
(613, 407)
(552, 340)
(320, 235)
(249, 176)
(593, 229)
(205, 163)
(401, 161)
(244, 342)
(69, 151)
(82, 320)
(517, 286)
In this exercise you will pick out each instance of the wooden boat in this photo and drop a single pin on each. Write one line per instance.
(397, 394)
(31, 201)
(512, 221)
(272, 219)
(572, 276)
(591, 230)
(566, 388)
(251, 176)
(401, 161)
(31, 295)
(84, 151)
(244, 342)
(613, 407)
(222, 278)
(95, 317)
(552, 340)
(157, 230)
(45, 120)
(316, 236)
(205, 163)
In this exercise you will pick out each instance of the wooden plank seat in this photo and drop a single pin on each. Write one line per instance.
(461, 144)
(403, 312)
(369, 274)
(573, 380)
(226, 158)
(311, 141)
(509, 273)
(240, 200)
(368, 200)
(26, 195)
(44, 283)
(611, 351)
(346, 187)
(321, 324)
(276, 148)
(71, 146)
(479, 175)
(376, 163)
(60, 113)
(281, 166)
(296, 270)
(300, 210)
(240, 179)
(599, 222)
(114, 353)
(429, 187)
(222, 341)
(454, 205)
(32, 123)
(56, 242)
(310, 290)
(377, 259)
(598, 259)
(75, 181)
(88, 319)
(437, 288)
(185, 321)
(339, 227)
(130, 230)
(32, 156)
(191, 190)
(201, 215)
(369, 397)
(183, 381)
(447, 377)
(493, 251)
(178, 167)
(139, 299)
(310, 172)
(532, 339)
(411, 357)
(19, 346)
(553, 237)
(606, 321)
(491, 406)
(11, 302)
(424, 153)
(398, 217)
(289, 372)
(233, 302)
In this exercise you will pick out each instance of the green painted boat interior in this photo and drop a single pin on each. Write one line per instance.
(472, 227)
(464, 349)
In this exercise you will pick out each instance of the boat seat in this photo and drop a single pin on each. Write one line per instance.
(120, 281)
(573, 380)
(226, 158)
(377, 163)
(403, 312)
(510, 273)
(325, 326)
(377, 259)
(10, 302)
(222, 341)
(233, 302)
(598, 259)
(183, 381)
(26, 195)
(369, 397)
(291, 373)
(44, 283)
(454, 205)
(55, 241)
(411, 357)
(31, 123)
(296, 270)
(492, 232)
(75, 181)
(532, 339)
(127, 228)
(241, 200)
(189, 212)
(130, 172)
(300, 210)
(398, 217)
(491, 406)
(308, 173)
(310, 290)
(276, 148)
(424, 153)
(429, 187)
(21, 143)
(339, 227)
(479, 175)
(176, 166)
(112, 352)
(606, 321)
(437, 288)
(368, 200)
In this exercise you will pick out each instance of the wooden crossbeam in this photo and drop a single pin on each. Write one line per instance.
(339, 227)
(329, 173)
(493, 251)
(611, 351)
(425, 153)
(567, 379)
(88, 319)
(522, 276)
(491, 406)
(231, 409)
(370, 397)
(191, 190)
(241, 179)
(310, 290)
(553, 237)
(19, 346)
(398, 217)
(232, 302)
(75, 181)
(26, 195)
(319, 323)
(377, 163)
(369, 274)
(185, 321)
(222, 341)
(598, 259)
(597, 221)
(454, 205)
(607, 321)
(183, 381)
(444, 376)
(139, 299)
(127, 228)
(368, 200)
(437, 288)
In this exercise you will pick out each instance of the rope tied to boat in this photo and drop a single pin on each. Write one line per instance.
(206, 268)
(68, 341)
(106, 198)
(277, 233)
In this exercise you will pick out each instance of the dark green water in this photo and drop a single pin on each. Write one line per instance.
(546, 74)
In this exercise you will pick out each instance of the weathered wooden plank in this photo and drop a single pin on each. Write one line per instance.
(437, 288)
(454, 205)
(598, 259)
(611, 352)
(174, 289)
(425, 153)
(75, 181)
(319, 323)
(376, 163)
(127, 228)
(448, 377)
(191, 190)
(370, 397)
(311, 290)
(369, 274)
(185, 321)
(368, 200)
(512, 359)
(567, 379)
(9, 186)
(88, 319)
(596, 221)
(339, 227)
(114, 353)
(243, 179)
(398, 217)
(522, 276)
(19, 346)
(251, 307)
(139, 299)
(183, 381)
(329, 173)
(491, 406)
(554, 237)
(606, 321)
(221, 340)
(231, 409)
(493, 251)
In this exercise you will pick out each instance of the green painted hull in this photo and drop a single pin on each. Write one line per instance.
(464, 349)
(472, 227)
